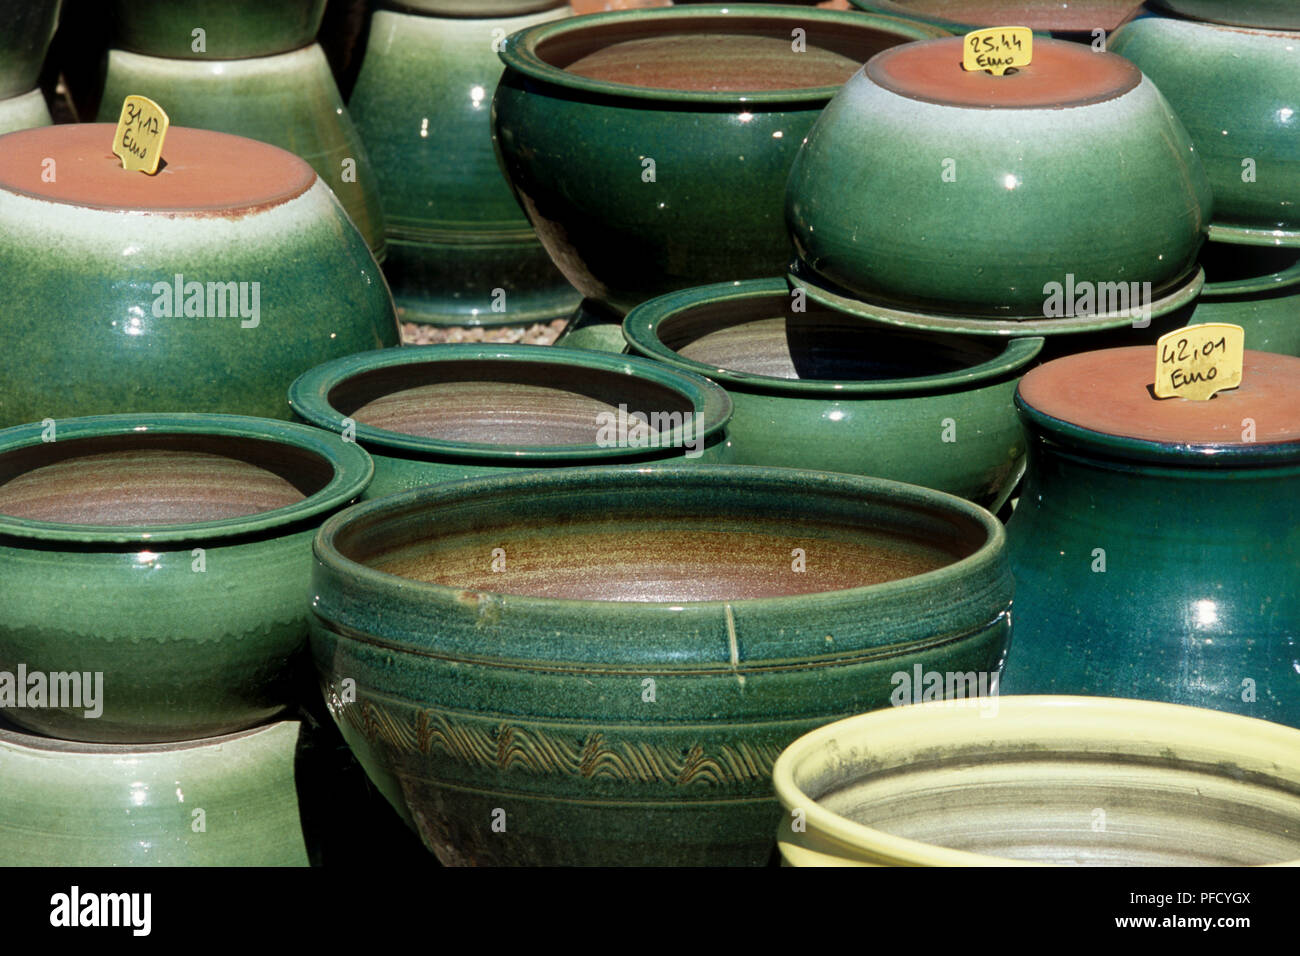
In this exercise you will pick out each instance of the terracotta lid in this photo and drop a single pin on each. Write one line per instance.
(206, 173)
(1061, 75)
(1108, 392)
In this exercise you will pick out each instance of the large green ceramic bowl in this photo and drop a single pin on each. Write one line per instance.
(1256, 287)
(1239, 98)
(289, 100)
(650, 148)
(1271, 14)
(23, 112)
(1079, 781)
(27, 28)
(599, 666)
(435, 413)
(208, 287)
(217, 801)
(232, 29)
(1069, 19)
(460, 250)
(164, 559)
(813, 388)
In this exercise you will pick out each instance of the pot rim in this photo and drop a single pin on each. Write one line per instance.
(19, 739)
(641, 331)
(352, 468)
(1029, 718)
(519, 51)
(1281, 279)
(309, 397)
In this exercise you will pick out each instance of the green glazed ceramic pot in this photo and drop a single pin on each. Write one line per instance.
(1156, 542)
(1257, 288)
(207, 287)
(1239, 97)
(818, 389)
(29, 27)
(654, 746)
(476, 8)
(650, 148)
(962, 181)
(435, 413)
(232, 29)
(594, 328)
(1270, 14)
(460, 250)
(1066, 20)
(289, 100)
(1079, 781)
(64, 803)
(24, 112)
(164, 559)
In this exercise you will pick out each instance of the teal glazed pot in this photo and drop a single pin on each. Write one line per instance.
(682, 650)
(1156, 545)
(460, 250)
(1257, 288)
(1269, 14)
(29, 27)
(1239, 98)
(818, 389)
(207, 287)
(650, 148)
(289, 100)
(164, 559)
(1066, 20)
(962, 181)
(218, 801)
(24, 112)
(232, 29)
(437, 413)
(476, 8)
(594, 328)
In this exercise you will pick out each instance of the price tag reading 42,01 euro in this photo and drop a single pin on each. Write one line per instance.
(1199, 360)
(997, 49)
(141, 129)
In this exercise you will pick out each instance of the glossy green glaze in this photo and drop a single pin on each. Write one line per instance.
(76, 804)
(289, 100)
(640, 729)
(194, 624)
(502, 409)
(461, 251)
(477, 8)
(593, 328)
(29, 27)
(1257, 288)
(1270, 14)
(23, 112)
(818, 389)
(1239, 98)
(1066, 20)
(232, 29)
(708, 209)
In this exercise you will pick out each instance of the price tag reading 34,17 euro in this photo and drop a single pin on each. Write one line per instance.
(1199, 360)
(997, 49)
(141, 129)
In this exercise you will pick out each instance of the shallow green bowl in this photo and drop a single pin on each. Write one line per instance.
(1257, 288)
(169, 554)
(232, 29)
(29, 27)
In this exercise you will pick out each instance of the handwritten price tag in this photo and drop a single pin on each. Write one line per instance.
(1199, 360)
(141, 129)
(997, 49)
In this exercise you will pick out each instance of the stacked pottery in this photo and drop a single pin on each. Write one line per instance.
(249, 68)
(1084, 21)
(460, 251)
(29, 27)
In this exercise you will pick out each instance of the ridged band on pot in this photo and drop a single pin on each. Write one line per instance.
(460, 250)
(29, 27)
(1269, 14)
(638, 190)
(289, 100)
(1239, 98)
(78, 804)
(24, 111)
(231, 29)
(1066, 19)
(1066, 780)
(208, 287)
(932, 410)
(1256, 287)
(462, 700)
(537, 395)
(167, 554)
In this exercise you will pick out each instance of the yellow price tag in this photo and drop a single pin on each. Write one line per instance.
(1200, 360)
(997, 49)
(141, 129)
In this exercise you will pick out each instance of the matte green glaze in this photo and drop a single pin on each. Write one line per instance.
(1239, 98)
(635, 731)
(1272, 14)
(581, 386)
(28, 28)
(194, 626)
(818, 389)
(593, 328)
(76, 804)
(1257, 288)
(23, 112)
(576, 150)
(232, 29)
(1065, 20)
(461, 252)
(289, 100)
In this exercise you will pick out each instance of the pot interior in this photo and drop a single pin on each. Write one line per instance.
(502, 402)
(1226, 262)
(141, 480)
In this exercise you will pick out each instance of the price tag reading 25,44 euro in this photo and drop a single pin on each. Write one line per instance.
(141, 129)
(997, 49)
(1199, 360)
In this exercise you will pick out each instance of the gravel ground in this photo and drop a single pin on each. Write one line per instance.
(539, 334)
